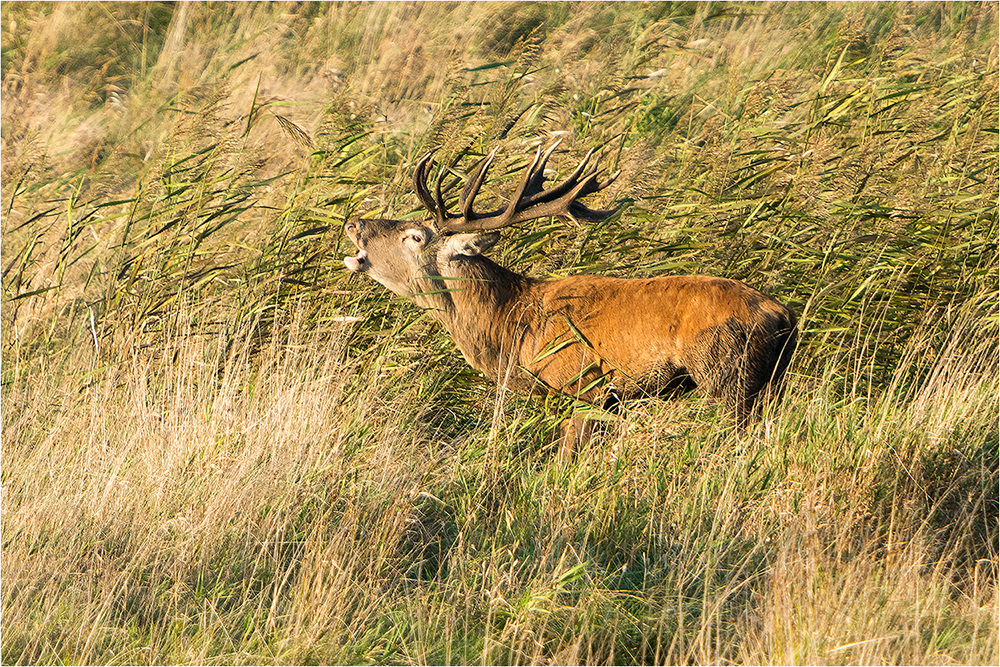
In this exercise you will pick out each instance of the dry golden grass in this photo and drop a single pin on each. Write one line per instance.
(217, 448)
(207, 509)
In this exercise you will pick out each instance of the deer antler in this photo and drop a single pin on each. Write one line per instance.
(530, 199)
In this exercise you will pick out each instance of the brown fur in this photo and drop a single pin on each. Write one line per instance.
(586, 336)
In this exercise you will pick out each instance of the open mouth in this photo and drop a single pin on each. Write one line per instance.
(358, 262)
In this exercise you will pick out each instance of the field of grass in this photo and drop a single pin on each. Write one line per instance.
(220, 448)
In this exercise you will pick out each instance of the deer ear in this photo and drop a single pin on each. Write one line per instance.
(470, 245)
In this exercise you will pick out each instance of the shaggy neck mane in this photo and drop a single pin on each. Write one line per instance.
(477, 301)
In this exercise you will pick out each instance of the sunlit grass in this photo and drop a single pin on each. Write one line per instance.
(220, 448)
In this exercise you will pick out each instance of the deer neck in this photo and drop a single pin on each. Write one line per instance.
(482, 305)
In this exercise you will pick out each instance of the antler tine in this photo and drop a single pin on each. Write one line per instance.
(442, 209)
(540, 170)
(581, 212)
(420, 175)
(533, 175)
(595, 185)
(559, 190)
(471, 189)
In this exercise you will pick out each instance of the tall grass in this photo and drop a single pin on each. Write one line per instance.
(220, 448)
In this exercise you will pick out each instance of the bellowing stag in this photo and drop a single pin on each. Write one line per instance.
(597, 338)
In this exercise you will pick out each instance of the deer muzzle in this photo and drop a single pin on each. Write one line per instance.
(357, 263)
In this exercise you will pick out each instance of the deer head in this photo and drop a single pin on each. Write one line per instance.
(401, 255)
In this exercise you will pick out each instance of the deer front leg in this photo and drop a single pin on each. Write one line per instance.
(574, 434)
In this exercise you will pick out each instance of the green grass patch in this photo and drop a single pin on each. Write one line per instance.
(221, 448)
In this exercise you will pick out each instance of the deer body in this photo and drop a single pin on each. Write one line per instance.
(593, 337)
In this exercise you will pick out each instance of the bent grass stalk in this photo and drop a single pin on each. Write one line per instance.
(218, 448)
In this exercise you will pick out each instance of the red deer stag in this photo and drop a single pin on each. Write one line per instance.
(593, 337)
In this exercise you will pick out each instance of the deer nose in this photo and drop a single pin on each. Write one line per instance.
(357, 263)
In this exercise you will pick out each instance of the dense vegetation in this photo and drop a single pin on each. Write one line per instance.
(220, 448)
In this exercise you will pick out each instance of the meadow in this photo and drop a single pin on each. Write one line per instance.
(218, 447)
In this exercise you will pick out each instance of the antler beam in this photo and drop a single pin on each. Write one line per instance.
(530, 200)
